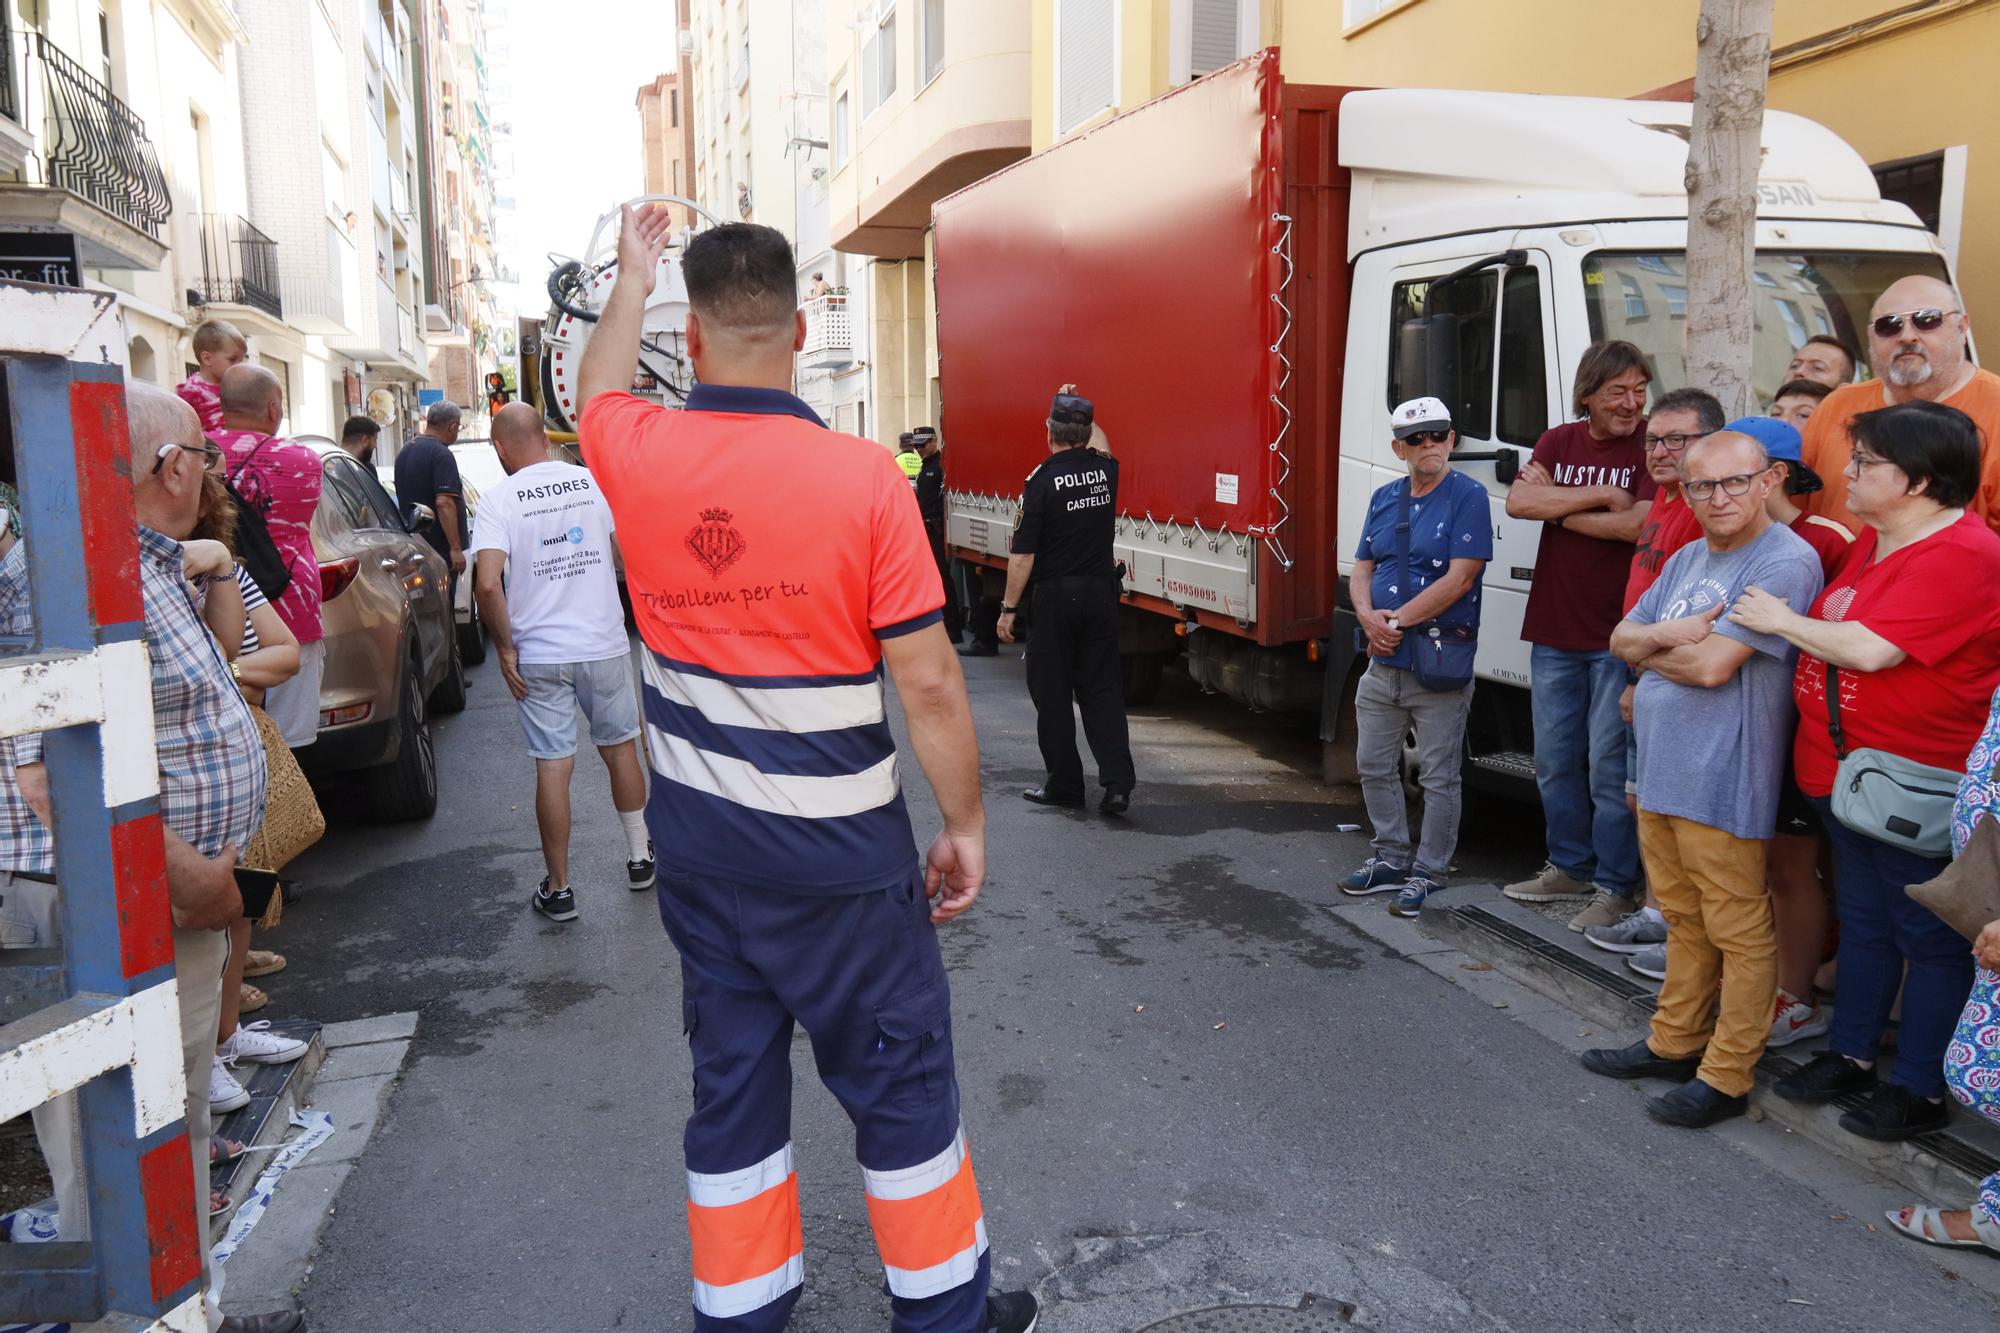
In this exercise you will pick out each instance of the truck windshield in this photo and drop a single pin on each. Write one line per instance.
(1643, 298)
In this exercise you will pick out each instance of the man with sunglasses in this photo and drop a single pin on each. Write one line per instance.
(1416, 580)
(1917, 345)
(1715, 717)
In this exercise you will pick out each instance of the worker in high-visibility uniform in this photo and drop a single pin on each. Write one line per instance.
(769, 599)
(907, 457)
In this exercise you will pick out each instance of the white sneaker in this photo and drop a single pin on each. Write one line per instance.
(256, 1043)
(1796, 1021)
(225, 1094)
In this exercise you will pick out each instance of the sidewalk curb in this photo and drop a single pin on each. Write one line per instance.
(1945, 1167)
(361, 1065)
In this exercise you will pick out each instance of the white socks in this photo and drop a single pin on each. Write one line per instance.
(635, 833)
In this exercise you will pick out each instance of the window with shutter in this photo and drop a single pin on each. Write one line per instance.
(933, 40)
(1086, 60)
(1216, 28)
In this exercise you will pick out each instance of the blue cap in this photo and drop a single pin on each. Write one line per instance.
(1783, 444)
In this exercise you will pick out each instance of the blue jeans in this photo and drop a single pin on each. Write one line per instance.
(1580, 767)
(1881, 928)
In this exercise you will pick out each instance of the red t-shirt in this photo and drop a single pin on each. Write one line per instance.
(1828, 537)
(1577, 596)
(1934, 601)
(1670, 525)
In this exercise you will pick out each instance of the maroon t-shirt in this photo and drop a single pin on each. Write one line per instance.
(1579, 588)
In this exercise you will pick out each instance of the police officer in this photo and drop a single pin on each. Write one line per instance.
(1068, 514)
(907, 457)
(930, 503)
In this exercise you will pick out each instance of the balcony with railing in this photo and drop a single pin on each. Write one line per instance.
(239, 265)
(829, 334)
(91, 169)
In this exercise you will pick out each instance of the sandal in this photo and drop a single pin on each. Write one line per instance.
(253, 999)
(262, 963)
(1927, 1225)
(222, 1151)
(220, 1204)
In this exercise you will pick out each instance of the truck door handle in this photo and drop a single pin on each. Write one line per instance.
(1506, 462)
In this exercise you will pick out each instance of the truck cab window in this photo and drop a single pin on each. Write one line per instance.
(1473, 300)
(1523, 406)
(1794, 296)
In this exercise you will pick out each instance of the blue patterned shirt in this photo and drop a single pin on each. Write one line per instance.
(211, 759)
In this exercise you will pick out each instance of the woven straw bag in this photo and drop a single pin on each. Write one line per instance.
(292, 818)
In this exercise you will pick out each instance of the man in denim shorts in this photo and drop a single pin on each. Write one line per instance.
(559, 632)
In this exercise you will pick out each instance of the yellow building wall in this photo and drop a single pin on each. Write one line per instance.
(1899, 92)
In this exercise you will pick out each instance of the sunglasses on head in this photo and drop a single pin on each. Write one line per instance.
(1427, 437)
(1926, 320)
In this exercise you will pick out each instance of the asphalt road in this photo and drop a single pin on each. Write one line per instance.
(1193, 1074)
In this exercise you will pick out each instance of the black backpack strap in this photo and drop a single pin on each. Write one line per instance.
(1833, 711)
(1403, 539)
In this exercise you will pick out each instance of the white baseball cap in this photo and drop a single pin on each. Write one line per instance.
(1420, 414)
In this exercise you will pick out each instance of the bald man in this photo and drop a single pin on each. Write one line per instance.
(212, 783)
(1916, 343)
(559, 632)
(278, 480)
(1714, 717)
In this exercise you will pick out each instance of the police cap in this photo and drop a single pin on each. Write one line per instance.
(1068, 409)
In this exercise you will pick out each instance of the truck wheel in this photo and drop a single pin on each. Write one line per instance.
(1337, 766)
(472, 639)
(449, 696)
(1142, 677)
(406, 787)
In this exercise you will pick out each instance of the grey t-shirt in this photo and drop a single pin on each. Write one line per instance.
(1717, 756)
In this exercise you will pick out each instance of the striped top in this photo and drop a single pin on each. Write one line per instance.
(767, 559)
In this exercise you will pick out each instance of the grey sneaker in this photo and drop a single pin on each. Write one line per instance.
(1650, 961)
(1606, 909)
(1550, 885)
(1630, 935)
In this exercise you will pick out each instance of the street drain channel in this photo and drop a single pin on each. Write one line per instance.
(1319, 1316)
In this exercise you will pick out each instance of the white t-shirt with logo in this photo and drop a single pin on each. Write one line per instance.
(552, 523)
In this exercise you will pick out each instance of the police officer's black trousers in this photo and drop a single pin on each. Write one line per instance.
(954, 615)
(1073, 655)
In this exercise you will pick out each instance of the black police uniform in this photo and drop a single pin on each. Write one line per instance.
(1068, 515)
(930, 503)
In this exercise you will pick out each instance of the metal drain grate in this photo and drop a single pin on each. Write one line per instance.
(1329, 1316)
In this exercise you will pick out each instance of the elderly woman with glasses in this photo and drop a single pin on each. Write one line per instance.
(1907, 662)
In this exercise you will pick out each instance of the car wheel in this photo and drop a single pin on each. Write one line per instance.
(449, 696)
(406, 787)
(472, 638)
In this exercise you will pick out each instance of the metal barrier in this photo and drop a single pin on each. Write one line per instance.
(99, 1017)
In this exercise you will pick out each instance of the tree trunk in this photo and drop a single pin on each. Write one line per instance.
(1725, 149)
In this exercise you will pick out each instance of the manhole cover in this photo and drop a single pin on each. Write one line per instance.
(1249, 1319)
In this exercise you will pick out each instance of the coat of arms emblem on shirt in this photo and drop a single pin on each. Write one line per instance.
(714, 542)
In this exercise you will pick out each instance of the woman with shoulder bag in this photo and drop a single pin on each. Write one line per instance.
(1415, 589)
(1898, 659)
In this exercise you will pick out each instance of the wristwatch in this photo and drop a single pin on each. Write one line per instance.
(236, 672)
(1007, 610)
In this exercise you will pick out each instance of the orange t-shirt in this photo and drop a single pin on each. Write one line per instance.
(768, 558)
(1828, 446)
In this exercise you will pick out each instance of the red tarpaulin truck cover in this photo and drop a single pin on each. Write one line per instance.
(1185, 266)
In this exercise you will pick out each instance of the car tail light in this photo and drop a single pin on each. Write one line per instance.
(340, 717)
(335, 575)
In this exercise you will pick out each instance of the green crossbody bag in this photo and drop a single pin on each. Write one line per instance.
(1887, 797)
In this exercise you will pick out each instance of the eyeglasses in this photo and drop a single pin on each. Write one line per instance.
(1678, 441)
(1927, 319)
(1427, 437)
(210, 455)
(1705, 490)
(1858, 462)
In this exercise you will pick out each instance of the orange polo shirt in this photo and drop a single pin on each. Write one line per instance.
(1828, 445)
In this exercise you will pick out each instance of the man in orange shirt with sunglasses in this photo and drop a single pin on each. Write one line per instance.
(1917, 345)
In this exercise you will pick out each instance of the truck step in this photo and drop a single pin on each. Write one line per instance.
(1510, 763)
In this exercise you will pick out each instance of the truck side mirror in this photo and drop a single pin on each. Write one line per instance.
(1427, 356)
(1506, 465)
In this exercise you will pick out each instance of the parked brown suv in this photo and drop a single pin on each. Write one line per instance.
(392, 656)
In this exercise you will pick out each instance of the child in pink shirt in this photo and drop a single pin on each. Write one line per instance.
(218, 345)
